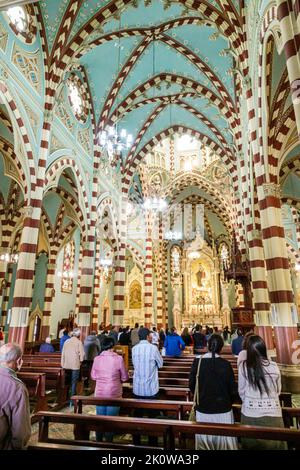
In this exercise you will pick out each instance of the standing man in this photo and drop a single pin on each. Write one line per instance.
(71, 358)
(15, 427)
(237, 343)
(146, 361)
(134, 335)
(155, 337)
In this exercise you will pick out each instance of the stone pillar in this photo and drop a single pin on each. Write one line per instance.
(86, 288)
(25, 274)
(148, 290)
(49, 296)
(120, 262)
(279, 281)
(290, 36)
(259, 286)
(97, 280)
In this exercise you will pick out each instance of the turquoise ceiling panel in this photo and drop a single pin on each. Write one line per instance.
(278, 67)
(293, 153)
(291, 187)
(197, 39)
(163, 59)
(4, 180)
(51, 204)
(53, 13)
(179, 116)
(103, 72)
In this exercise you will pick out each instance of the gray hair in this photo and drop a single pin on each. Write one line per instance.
(48, 340)
(10, 352)
(76, 332)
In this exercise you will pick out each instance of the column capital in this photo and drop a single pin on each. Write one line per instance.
(256, 234)
(27, 211)
(272, 189)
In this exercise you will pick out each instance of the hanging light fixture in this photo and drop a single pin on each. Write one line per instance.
(9, 257)
(110, 138)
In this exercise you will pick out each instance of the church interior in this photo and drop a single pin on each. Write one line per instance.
(149, 169)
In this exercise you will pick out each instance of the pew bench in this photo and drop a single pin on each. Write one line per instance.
(174, 433)
(36, 386)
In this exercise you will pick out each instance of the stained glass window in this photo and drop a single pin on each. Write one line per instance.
(67, 274)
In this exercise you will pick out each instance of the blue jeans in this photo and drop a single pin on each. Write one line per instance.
(72, 378)
(106, 411)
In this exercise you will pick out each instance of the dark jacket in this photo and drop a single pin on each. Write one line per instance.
(124, 338)
(174, 345)
(237, 345)
(199, 341)
(46, 348)
(91, 347)
(188, 340)
(217, 388)
(15, 427)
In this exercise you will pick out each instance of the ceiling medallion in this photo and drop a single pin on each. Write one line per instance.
(22, 22)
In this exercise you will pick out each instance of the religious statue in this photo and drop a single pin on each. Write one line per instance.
(135, 295)
(200, 275)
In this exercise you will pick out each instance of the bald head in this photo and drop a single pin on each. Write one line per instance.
(11, 355)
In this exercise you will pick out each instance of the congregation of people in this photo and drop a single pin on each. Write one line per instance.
(212, 376)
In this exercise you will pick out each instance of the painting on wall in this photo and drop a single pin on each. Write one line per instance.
(68, 267)
(135, 295)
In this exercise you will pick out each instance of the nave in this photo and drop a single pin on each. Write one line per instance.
(149, 174)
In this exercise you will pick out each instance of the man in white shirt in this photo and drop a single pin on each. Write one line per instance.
(155, 337)
(72, 357)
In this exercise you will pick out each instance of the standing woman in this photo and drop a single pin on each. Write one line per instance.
(259, 389)
(109, 372)
(217, 392)
(187, 338)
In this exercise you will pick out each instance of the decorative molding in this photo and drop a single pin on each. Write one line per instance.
(84, 139)
(3, 38)
(29, 65)
(272, 189)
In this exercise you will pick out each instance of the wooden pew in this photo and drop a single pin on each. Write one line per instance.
(36, 386)
(55, 381)
(165, 393)
(167, 429)
(49, 446)
(181, 409)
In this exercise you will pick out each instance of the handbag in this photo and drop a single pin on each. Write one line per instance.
(192, 416)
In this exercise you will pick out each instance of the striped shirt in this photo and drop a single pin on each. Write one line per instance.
(146, 361)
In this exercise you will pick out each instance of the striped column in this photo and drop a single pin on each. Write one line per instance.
(296, 219)
(6, 293)
(86, 288)
(25, 274)
(119, 277)
(78, 282)
(49, 295)
(290, 35)
(159, 287)
(148, 291)
(278, 272)
(259, 285)
(172, 157)
(97, 278)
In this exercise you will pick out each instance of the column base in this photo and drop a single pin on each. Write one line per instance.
(286, 343)
(85, 330)
(266, 333)
(94, 327)
(18, 334)
(290, 378)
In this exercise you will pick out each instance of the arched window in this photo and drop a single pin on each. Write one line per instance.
(68, 267)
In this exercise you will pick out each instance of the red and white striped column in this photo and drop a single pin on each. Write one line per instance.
(86, 288)
(49, 295)
(119, 275)
(148, 275)
(278, 271)
(159, 287)
(97, 279)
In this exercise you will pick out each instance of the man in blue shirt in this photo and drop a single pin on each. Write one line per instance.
(47, 347)
(146, 360)
(237, 343)
(174, 344)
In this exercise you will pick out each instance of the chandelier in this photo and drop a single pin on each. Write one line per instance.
(155, 204)
(173, 235)
(106, 265)
(66, 274)
(113, 142)
(9, 257)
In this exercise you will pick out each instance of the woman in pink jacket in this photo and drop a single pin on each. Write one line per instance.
(109, 372)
